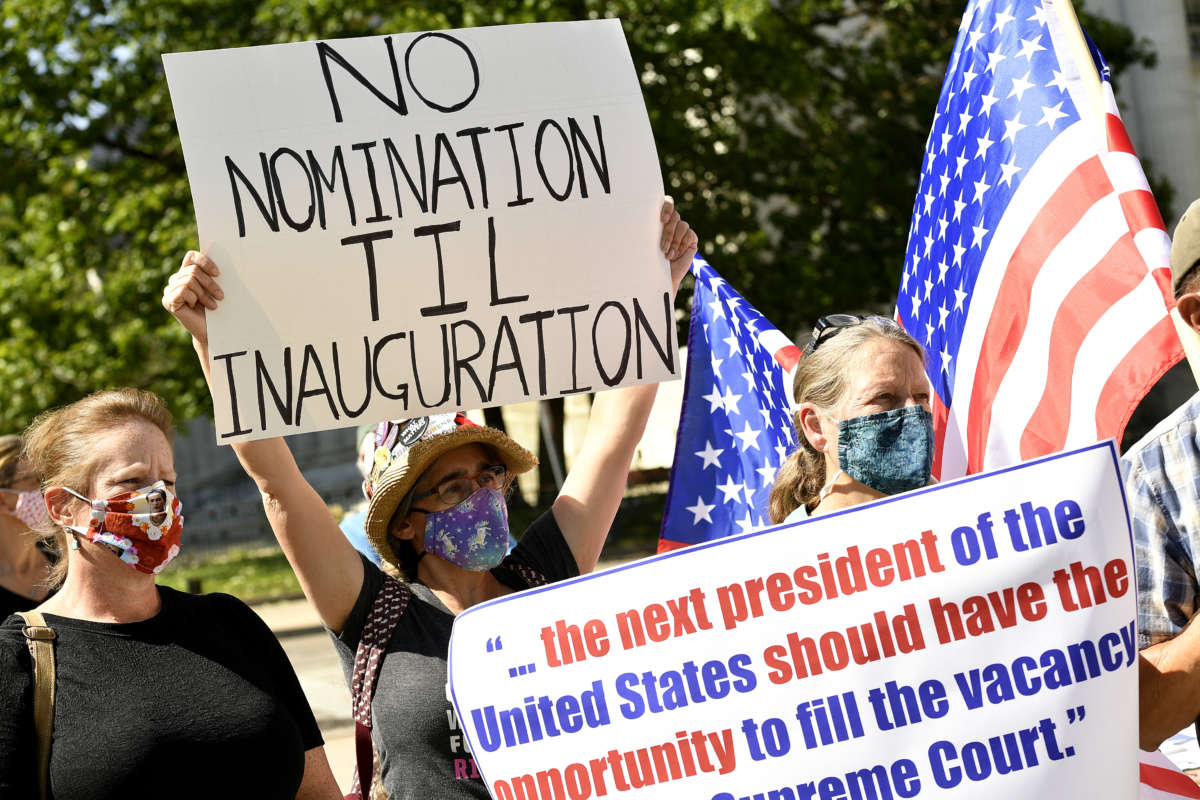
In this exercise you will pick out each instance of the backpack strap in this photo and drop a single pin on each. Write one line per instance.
(389, 606)
(40, 639)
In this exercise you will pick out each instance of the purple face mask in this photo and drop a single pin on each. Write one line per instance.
(473, 535)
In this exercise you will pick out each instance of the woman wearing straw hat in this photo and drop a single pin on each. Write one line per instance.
(437, 517)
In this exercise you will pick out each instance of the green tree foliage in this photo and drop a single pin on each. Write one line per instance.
(790, 132)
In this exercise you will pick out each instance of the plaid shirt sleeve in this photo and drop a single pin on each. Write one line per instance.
(1166, 580)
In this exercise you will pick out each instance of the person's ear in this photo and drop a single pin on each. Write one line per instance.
(813, 428)
(1189, 310)
(59, 503)
(402, 527)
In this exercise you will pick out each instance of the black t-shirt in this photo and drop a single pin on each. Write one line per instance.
(11, 603)
(199, 701)
(421, 749)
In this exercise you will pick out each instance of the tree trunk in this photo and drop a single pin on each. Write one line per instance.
(552, 412)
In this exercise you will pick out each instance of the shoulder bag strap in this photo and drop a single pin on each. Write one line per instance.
(389, 606)
(528, 574)
(40, 639)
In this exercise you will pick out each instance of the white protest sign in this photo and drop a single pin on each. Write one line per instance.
(427, 222)
(973, 639)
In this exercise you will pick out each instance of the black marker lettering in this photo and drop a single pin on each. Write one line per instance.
(537, 153)
(336, 164)
(601, 166)
(312, 195)
(615, 378)
(537, 317)
(310, 357)
(575, 387)
(401, 388)
(326, 53)
(337, 380)
(504, 333)
(462, 365)
(365, 148)
(470, 60)
(441, 144)
(497, 300)
(393, 156)
(367, 240)
(521, 199)
(271, 216)
(412, 348)
(283, 405)
(474, 133)
(238, 430)
(664, 350)
(443, 307)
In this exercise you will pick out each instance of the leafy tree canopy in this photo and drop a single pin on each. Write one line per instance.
(790, 133)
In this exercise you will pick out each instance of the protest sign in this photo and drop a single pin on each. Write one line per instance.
(424, 222)
(973, 639)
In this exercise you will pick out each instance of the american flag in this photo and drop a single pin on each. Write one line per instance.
(735, 428)
(1037, 271)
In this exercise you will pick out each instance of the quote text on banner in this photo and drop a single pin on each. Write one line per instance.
(424, 222)
(973, 639)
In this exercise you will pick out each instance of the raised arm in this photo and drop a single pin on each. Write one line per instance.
(328, 567)
(592, 490)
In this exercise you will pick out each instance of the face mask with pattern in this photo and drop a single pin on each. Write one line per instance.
(144, 526)
(30, 508)
(473, 534)
(891, 451)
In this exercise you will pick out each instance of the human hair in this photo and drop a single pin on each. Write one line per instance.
(59, 444)
(822, 378)
(10, 460)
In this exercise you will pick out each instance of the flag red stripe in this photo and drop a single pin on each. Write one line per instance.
(787, 357)
(1162, 276)
(1086, 185)
(1166, 780)
(667, 545)
(1116, 274)
(1141, 211)
(1142, 366)
(1118, 137)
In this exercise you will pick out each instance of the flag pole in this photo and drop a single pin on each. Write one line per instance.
(1088, 74)
(1091, 81)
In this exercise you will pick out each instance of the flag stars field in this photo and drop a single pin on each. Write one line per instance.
(725, 433)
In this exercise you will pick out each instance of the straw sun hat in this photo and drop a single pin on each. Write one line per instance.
(404, 449)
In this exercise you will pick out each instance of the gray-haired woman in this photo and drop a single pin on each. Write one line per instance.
(862, 412)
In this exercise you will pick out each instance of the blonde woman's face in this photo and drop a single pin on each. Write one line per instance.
(131, 457)
(886, 375)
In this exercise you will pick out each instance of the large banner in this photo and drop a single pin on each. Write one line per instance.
(973, 639)
(424, 222)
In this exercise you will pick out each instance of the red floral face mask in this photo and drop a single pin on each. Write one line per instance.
(144, 526)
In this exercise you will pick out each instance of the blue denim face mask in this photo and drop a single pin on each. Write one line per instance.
(891, 452)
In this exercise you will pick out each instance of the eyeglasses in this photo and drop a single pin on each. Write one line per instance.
(455, 490)
(829, 326)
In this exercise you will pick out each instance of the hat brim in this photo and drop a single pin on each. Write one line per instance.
(395, 483)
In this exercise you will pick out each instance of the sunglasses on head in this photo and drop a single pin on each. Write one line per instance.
(829, 326)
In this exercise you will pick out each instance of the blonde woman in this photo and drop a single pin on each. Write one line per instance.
(24, 563)
(862, 412)
(158, 692)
